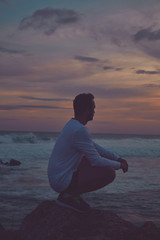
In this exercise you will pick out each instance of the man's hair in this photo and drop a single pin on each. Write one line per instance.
(82, 102)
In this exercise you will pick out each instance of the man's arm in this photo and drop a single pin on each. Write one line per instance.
(83, 143)
(105, 153)
(108, 154)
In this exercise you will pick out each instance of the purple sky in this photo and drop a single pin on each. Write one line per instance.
(50, 51)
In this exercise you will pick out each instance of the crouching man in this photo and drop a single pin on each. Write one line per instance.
(77, 164)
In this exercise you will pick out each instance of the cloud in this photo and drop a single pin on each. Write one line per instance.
(10, 50)
(15, 69)
(8, 119)
(152, 85)
(86, 59)
(118, 69)
(49, 19)
(46, 99)
(103, 91)
(119, 92)
(17, 107)
(147, 72)
(5, 2)
(112, 68)
(108, 68)
(147, 34)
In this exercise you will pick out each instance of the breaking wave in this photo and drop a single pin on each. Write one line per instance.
(25, 138)
(124, 145)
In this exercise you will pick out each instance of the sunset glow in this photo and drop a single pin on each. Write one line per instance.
(50, 51)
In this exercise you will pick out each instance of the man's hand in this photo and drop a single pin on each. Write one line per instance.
(124, 164)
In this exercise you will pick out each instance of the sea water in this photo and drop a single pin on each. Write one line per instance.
(134, 196)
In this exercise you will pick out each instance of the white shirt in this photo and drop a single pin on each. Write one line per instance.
(73, 143)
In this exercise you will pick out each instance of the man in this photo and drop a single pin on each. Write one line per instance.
(77, 164)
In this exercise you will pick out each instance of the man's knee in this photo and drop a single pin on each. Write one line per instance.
(110, 174)
(113, 174)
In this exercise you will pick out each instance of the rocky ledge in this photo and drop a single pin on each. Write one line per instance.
(51, 222)
(12, 162)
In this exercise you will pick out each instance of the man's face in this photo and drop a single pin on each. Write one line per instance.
(90, 112)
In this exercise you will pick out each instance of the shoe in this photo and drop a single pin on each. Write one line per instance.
(74, 202)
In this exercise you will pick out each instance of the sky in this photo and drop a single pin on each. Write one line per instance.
(52, 50)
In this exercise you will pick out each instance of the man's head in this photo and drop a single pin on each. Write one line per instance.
(84, 106)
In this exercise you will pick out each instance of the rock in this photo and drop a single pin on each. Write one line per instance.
(49, 221)
(149, 231)
(1, 162)
(52, 222)
(14, 162)
(1, 228)
(9, 234)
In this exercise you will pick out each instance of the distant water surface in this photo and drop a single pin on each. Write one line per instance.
(135, 196)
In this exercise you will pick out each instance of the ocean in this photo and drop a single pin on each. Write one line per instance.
(134, 196)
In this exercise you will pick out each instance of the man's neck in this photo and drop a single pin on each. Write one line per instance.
(82, 120)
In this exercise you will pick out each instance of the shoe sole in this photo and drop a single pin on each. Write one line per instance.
(68, 206)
